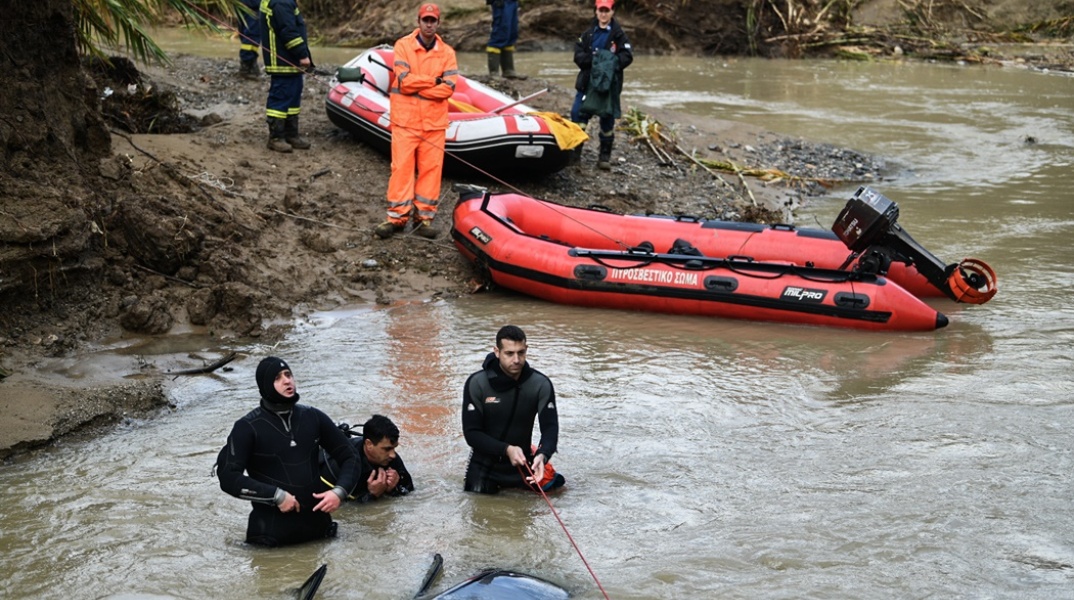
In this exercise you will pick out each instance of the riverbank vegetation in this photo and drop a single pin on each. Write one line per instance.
(942, 30)
(105, 24)
(950, 30)
(926, 30)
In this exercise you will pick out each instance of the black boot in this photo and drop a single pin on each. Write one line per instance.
(290, 133)
(494, 63)
(604, 161)
(276, 141)
(248, 70)
(509, 65)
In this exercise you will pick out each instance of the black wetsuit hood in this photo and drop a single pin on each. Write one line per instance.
(267, 370)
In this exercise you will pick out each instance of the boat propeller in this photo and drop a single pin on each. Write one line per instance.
(868, 226)
(972, 281)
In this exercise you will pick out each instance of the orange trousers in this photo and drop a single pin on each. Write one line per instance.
(417, 163)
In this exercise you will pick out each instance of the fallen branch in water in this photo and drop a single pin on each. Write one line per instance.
(207, 368)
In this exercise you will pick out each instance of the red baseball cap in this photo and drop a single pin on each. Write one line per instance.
(429, 10)
(609, 4)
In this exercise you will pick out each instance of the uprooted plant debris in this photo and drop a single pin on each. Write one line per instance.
(133, 105)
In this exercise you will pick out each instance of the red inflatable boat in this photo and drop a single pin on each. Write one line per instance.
(716, 268)
(489, 133)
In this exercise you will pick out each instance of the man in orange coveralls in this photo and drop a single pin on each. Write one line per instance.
(425, 74)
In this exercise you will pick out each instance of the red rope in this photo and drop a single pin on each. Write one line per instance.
(555, 514)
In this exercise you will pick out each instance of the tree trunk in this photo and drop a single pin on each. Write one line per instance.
(50, 107)
(52, 137)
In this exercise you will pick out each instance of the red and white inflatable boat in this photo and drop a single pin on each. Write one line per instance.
(489, 132)
(704, 267)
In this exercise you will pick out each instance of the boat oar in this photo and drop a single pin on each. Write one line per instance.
(497, 111)
(430, 575)
(374, 60)
(374, 85)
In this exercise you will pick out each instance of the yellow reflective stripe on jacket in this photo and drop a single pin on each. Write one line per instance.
(288, 63)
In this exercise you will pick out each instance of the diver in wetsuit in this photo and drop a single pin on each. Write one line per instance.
(499, 405)
(382, 472)
(271, 459)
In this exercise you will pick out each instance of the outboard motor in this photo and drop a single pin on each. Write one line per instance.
(869, 227)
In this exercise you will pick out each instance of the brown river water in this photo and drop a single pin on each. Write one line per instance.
(704, 458)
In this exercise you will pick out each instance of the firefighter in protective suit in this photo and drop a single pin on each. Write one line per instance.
(425, 72)
(285, 50)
